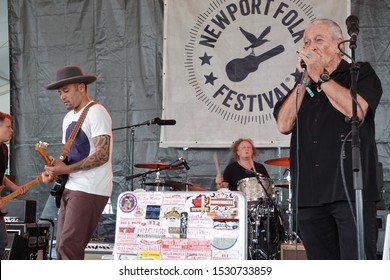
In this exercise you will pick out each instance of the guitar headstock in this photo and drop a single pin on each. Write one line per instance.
(41, 147)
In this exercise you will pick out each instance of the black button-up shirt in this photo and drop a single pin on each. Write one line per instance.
(321, 129)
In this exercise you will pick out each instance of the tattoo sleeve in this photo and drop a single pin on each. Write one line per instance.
(101, 155)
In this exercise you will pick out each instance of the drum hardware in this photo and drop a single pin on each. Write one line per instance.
(159, 166)
(290, 232)
(285, 161)
(265, 232)
(291, 235)
(155, 167)
(265, 223)
(177, 186)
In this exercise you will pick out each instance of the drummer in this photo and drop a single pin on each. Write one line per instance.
(243, 166)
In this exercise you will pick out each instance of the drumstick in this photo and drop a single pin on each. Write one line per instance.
(216, 163)
(253, 166)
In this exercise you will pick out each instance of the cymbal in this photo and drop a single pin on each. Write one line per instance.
(184, 186)
(161, 183)
(177, 186)
(158, 165)
(285, 161)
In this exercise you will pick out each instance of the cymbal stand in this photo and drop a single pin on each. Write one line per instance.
(290, 233)
(143, 179)
(174, 164)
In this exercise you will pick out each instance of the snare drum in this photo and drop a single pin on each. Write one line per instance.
(252, 188)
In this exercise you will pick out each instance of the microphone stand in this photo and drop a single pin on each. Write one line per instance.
(356, 157)
(132, 127)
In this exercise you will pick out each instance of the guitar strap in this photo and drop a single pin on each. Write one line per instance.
(75, 130)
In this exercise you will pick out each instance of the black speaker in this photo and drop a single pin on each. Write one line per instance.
(20, 211)
(37, 236)
(16, 249)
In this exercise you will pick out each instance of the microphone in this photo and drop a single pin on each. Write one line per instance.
(301, 79)
(184, 162)
(251, 172)
(159, 121)
(165, 122)
(303, 64)
(353, 26)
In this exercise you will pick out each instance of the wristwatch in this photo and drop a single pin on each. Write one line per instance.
(323, 78)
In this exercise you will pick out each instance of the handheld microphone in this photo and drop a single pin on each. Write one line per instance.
(159, 121)
(184, 162)
(303, 64)
(353, 26)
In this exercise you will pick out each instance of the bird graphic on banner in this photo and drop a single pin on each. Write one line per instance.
(255, 41)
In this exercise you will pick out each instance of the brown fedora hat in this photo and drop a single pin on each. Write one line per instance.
(70, 74)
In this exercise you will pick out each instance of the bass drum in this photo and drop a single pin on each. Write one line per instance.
(265, 231)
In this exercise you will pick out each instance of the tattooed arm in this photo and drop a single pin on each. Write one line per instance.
(98, 158)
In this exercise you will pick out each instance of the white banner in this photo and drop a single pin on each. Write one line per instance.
(227, 63)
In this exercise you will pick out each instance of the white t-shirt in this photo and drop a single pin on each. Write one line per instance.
(97, 122)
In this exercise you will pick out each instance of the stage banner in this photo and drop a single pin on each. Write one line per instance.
(227, 62)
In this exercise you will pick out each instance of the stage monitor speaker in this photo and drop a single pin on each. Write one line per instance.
(291, 251)
(37, 236)
(17, 247)
(21, 211)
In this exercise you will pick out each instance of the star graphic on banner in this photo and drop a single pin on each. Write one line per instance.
(210, 78)
(205, 59)
(296, 75)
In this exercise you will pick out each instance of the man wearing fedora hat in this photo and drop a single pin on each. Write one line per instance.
(88, 164)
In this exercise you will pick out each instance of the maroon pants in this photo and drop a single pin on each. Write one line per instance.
(78, 218)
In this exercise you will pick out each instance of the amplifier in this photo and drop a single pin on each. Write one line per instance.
(20, 211)
(292, 251)
(16, 248)
(36, 238)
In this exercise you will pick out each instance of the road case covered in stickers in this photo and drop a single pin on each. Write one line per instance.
(178, 225)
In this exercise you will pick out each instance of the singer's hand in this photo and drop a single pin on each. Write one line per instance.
(299, 63)
(315, 65)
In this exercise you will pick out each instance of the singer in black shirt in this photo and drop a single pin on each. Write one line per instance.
(318, 160)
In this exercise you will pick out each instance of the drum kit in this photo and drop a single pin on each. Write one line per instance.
(265, 213)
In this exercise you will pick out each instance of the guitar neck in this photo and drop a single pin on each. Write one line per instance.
(27, 186)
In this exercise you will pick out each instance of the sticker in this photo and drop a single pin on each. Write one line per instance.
(127, 202)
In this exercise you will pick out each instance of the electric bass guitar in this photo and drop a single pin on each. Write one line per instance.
(41, 147)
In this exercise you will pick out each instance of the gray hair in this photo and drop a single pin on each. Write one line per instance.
(335, 29)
